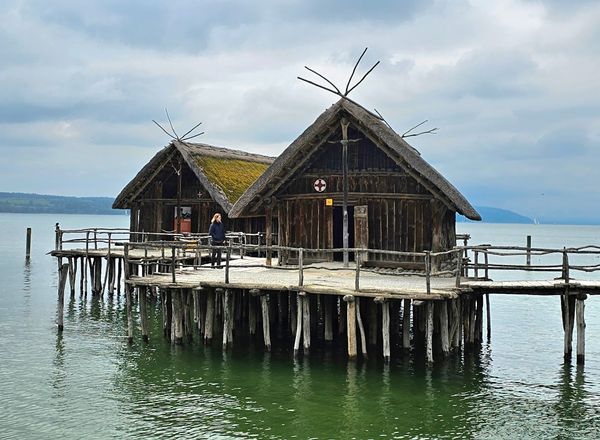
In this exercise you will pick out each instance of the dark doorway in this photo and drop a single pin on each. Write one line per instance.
(338, 231)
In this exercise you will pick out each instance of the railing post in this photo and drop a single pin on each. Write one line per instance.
(173, 263)
(476, 262)
(300, 267)
(57, 239)
(486, 262)
(528, 262)
(428, 271)
(459, 258)
(357, 277)
(95, 238)
(565, 264)
(227, 257)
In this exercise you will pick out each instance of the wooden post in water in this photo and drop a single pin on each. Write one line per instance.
(579, 312)
(264, 305)
(252, 311)
(372, 322)
(429, 332)
(328, 312)
(28, 245)
(351, 325)
(361, 328)
(406, 324)
(528, 262)
(227, 319)
(210, 312)
(444, 336)
(177, 324)
(306, 327)
(128, 299)
(299, 318)
(62, 280)
(142, 296)
(488, 316)
(385, 327)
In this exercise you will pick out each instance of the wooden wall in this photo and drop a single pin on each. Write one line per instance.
(402, 213)
(158, 202)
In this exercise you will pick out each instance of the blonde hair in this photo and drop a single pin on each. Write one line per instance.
(214, 219)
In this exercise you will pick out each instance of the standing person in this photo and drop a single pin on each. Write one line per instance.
(217, 238)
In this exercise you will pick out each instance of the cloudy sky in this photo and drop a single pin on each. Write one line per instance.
(514, 87)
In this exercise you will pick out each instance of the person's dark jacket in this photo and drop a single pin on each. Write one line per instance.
(217, 232)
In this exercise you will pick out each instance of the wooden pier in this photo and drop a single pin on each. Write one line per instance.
(438, 310)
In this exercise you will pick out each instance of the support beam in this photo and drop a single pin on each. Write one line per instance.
(62, 281)
(227, 319)
(299, 308)
(328, 317)
(128, 300)
(406, 324)
(385, 329)
(579, 312)
(444, 336)
(361, 328)
(429, 332)
(264, 304)
(210, 315)
(142, 294)
(306, 327)
(351, 325)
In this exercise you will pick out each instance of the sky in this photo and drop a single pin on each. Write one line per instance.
(513, 87)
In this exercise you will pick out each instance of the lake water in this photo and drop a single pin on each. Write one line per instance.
(89, 383)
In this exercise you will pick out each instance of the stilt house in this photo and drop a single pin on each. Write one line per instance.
(396, 200)
(185, 183)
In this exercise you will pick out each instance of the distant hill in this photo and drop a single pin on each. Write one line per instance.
(42, 204)
(497, 215)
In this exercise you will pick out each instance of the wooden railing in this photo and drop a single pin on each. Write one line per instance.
(480, 260)
(177, 256)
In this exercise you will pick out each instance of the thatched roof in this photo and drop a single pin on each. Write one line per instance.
(224, 173)
(399, 150)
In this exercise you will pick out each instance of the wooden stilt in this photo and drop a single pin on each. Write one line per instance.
(579, 312)
(299, 318)
(81, 277)
(252, 311)
(119, 270)
(62, 281)
(71, 276)
(210, 311)
(429, 332)
(361, 329)
(328, 317)
(264, 305)
(372, 319)
(293, 304)
(142, 292)
(568, 324)
(227, 319)
(97, 289)
(177, 324)
(306, 324)
(454, 323)
(488, 317)
(188, 317)
(406, 324)
(129, 305)
(385, 329)
(479, 319)
(444, 336)
(351, 325)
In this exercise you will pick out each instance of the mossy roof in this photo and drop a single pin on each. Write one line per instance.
(225, 173)
(233, 176)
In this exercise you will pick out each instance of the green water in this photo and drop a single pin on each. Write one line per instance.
(89, 383)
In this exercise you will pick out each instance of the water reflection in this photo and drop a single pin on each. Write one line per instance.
(58, 380)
